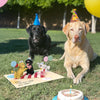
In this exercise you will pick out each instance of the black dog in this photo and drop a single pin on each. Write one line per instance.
(39, 42)
(30, 69)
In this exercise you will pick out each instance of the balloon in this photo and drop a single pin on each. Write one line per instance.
(45, 59)
(93, 6)
(50, 58)
(3, 2)
(13, 63)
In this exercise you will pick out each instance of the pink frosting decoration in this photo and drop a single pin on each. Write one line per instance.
(45, 59)
(3, 2)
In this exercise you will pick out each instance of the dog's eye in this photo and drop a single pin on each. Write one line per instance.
(38, 29)
(80, 29)
(71, 29)
(34, 28)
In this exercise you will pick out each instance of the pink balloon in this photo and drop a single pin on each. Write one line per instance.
(45, 59)
(3, 2)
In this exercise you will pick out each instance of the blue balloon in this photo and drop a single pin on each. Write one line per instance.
(13, 63)
(50, 58)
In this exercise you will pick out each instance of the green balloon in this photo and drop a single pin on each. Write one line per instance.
(50, 58)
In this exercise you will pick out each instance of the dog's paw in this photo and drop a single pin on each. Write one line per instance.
(70, 75)
(77, 80)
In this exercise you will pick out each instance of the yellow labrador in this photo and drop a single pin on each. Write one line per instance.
(78, 51)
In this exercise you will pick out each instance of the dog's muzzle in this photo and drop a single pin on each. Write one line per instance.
(76, 38)
(35, 38)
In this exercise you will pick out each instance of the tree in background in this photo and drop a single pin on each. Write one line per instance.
(19, 3)
(93, 26)
(42, 4)
(28, 4)
(77, 3)
(70, 2)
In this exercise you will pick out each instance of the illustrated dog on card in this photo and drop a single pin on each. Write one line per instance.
(78, 51)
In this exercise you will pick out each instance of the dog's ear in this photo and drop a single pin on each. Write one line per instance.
(44, 30)
(29, 29)
(65, 29)
(86, 27)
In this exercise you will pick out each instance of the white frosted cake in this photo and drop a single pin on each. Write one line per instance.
(66, 95)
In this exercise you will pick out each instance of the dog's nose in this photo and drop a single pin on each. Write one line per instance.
(76, 36)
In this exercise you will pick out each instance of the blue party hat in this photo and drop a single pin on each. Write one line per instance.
(36, 21)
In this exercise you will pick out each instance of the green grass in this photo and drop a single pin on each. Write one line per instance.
(14, 46)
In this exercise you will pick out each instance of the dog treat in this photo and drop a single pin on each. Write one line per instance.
(66, 95)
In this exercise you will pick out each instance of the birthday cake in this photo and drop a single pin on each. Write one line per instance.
(68, 94)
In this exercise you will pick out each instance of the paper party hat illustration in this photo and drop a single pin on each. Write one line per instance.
(74, 17)
(36, 21)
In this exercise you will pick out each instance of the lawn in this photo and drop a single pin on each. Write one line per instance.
(14, 46)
